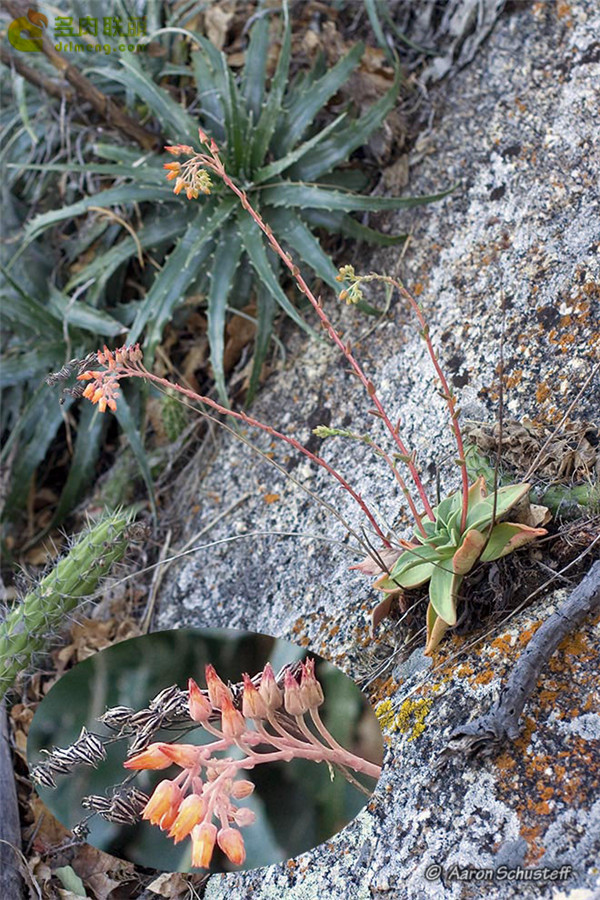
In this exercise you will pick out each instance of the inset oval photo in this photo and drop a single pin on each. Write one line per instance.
(211, 750)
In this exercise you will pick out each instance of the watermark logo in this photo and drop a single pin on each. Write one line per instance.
(82, 33)
(32, 25)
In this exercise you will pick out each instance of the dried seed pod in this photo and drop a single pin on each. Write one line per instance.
(117, 717)
(97, 802)
(43, 775)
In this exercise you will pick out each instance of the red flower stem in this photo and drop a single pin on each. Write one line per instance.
(447, 392)
(214, 163)
(250, 420)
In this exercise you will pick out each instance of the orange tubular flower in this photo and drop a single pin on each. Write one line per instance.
(217, 689)
(186, 756)
(150, 758)
(233, 723)
(163, 806)
(231, 843)
(312, 691)
(294, 700)
(191, 812)
(253, 705)
(200, 708)
(268, 689)
(204, 837)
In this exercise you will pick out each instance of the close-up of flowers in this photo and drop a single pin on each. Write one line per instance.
(264, 719)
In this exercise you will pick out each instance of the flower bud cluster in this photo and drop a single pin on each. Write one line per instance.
(352, 293)
(189, 175)
(202, 801)
(103, 385)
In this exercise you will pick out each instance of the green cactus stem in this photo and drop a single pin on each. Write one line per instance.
(28, 628)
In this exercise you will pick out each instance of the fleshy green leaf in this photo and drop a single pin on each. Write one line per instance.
(469, 551)
(338, 148)
(311, 196)
(302, 111)
(263, 132)
(305, 246)
(254, 246)
(255, 70)
(79, 314)
(443, 591)
(436, 629)
(266, 308)
(180, 269)
(342, 223)
(280, 165)
(224, 265)
(172, 117)
(481, 514)
(124, 193)
(508, 536)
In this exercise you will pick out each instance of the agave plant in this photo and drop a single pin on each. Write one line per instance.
(273, 149)
(449, 552)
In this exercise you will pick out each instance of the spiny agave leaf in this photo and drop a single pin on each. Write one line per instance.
(115, 170)
(312, 196)
(224, 265)
(469, 551)
(336, 149)
(280, 165)
(38, 424)
(436, 629)
(128, 426)
(213, 113)
(305, 245)
(255, 70)
(301, 112)
(263, 132)
(171, 116)
(31, 364)
(124, 193)
(182, 266)
(506, 537)
(254, 246)
(82, 469)
(342, 223)
(154, 234)
(26, 314)
(83, 316)
(266, 309)
(135, 159)
(443, 591)
(238, 124)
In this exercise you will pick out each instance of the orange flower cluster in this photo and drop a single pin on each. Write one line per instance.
(190, 175)
(186, 805)
(104, 385)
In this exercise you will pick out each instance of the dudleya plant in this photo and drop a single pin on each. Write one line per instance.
(450, 552)
(449, 539)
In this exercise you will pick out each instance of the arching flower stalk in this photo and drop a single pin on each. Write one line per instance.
(268, 719)
(450, 539)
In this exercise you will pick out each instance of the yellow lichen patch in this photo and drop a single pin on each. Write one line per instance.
(411, 717)
(483, 677)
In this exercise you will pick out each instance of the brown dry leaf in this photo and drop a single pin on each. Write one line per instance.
(395, 177)
(100, 872)
(217, 20)
(48, 550)
(48, 831)
(170, 885)
(239, 333)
